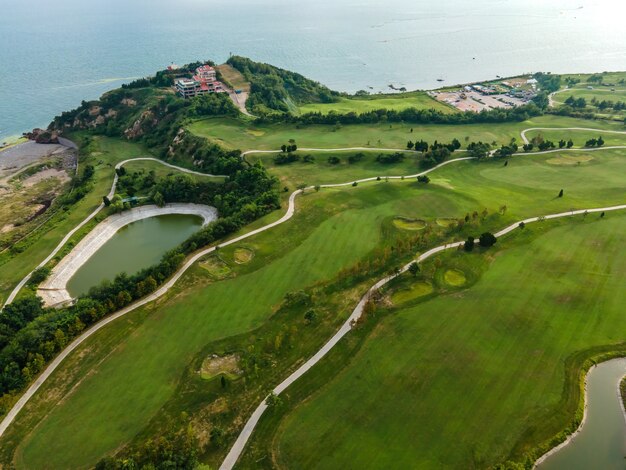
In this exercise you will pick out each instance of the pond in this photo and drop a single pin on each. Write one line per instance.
(135, 246)
(601, 442)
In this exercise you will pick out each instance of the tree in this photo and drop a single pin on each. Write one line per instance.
(273, 400)
(39, 275)
(487, 239)
(106, 201)
(469, 244)
(410, 145)
(223, 381)
(602, 215)
(317, 188)
(562, 143)
(600, 141)
(423, 179)
(560, 193)
(570, 143)
(522, 225)
(478, 150)
(158, 198)
(333, 160)
(283, 148)
(414, 268)
(310, 316)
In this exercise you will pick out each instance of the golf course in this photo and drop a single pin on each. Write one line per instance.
(366, 321)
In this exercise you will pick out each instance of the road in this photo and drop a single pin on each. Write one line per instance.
(239, 445)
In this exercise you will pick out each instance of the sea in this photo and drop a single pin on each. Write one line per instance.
(53, 54)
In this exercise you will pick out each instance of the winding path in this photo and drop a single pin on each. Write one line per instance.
(241, 441)
(526, 141)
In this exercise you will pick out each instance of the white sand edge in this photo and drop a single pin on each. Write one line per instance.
(53, 290)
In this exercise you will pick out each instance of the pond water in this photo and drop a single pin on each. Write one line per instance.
(136, 246)
(602, 440)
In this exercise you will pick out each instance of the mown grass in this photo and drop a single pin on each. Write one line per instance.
(245, 135)
(581, 137)
(142, 373)
(143, 357)
(472, 378)
(395, 101)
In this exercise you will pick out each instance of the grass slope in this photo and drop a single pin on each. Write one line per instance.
(140, 373)
(466, 379)
(396, 101)
(237, 134)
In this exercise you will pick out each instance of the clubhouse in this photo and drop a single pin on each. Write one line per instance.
(204, 81)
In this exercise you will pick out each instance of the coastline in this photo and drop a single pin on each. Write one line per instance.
(53, 290)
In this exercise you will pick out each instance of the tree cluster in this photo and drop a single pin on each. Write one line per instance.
(272, 89)
(599, 142)
(413, 115)
(176, 449)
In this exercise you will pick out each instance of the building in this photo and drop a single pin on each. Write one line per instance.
(203, 81)
(186, 87)
(205, 73)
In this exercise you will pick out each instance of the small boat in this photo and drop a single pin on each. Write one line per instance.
(440, 80)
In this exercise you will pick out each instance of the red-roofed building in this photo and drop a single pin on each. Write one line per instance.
(204, 81)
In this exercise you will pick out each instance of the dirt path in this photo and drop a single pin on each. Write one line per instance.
(241, 441)
(240, 101)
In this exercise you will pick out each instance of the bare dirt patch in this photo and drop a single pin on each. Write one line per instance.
(215, 365)
(243, 255)
(217, 268)
(45, 174)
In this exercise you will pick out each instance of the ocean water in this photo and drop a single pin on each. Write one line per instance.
(53, 54)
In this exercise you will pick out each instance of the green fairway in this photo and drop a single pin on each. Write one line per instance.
(396, 101)
(244, 135)
(601, 93)
(137, 376)
(470, 379)
(580, 137)
(136, 363)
